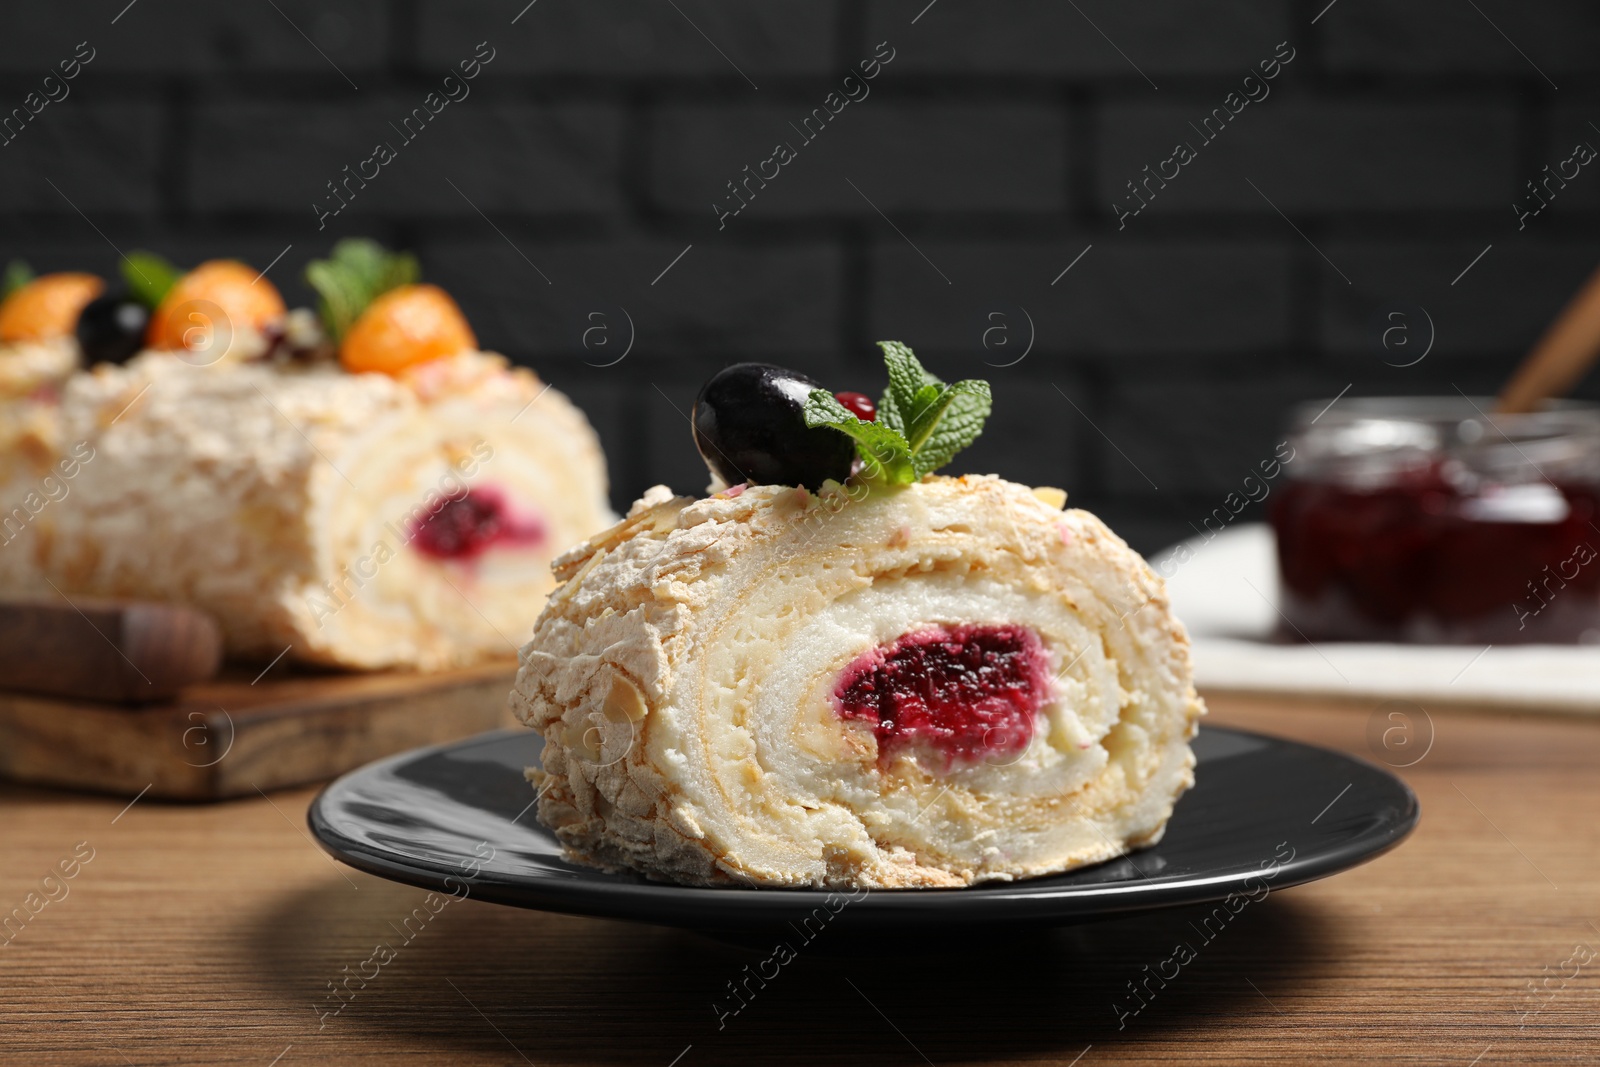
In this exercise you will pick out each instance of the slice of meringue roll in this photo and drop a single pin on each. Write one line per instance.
(355, 520)
(945, 683)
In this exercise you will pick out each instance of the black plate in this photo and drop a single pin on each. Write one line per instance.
(430, 817)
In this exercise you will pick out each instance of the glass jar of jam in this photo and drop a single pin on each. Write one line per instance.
(1428, 520)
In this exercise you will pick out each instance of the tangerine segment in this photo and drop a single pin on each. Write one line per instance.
(244, 298)
(405, 326)
(48, 306)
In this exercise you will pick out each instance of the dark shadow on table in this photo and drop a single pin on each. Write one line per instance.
(477, 978)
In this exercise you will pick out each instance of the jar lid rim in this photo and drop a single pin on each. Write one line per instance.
(1435, 409)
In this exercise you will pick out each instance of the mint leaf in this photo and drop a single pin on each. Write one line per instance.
(339, 297)
(149, 277)
(924, 413)
(906, 377)
(922, 422)
(18, 274)
(884, 453)
(937, 420)
(356, 273)
(962, 409)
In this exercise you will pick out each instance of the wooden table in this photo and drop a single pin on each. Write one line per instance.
(210, 934)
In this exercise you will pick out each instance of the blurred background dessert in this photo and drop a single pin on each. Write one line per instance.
(359, 488)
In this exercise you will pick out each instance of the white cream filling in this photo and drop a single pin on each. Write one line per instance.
(489, 601)
(824, 789)
(1063, 752)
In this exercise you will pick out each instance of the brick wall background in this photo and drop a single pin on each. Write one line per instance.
(987, 158)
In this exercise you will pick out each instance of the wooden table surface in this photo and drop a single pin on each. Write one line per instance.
(210, 934)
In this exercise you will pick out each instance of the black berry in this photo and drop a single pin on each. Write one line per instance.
(748, 427)
(111, 329)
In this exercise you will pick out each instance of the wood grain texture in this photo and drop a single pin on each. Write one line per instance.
(232, 735)
(109, 650)
(208, 935)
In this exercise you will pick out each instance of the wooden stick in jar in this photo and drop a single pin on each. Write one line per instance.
(1562, 356)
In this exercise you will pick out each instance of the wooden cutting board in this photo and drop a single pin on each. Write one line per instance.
(232, 736)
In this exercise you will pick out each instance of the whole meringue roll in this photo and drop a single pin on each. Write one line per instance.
(354, 520)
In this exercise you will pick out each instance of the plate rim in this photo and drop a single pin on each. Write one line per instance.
(628, 897)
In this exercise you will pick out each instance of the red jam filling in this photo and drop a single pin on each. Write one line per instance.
(968, 693)
(468, 524)
(1420, 556)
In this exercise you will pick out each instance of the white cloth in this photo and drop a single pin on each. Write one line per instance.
(1226, 594)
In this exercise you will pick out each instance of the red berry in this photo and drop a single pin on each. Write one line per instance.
(859, 404)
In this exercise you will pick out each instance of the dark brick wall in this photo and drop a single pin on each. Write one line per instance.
(986, 158)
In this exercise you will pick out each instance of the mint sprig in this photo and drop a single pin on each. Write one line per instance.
(149, 277)
(884, 452)
(922, 422)
(18, 274)
(356, 273)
